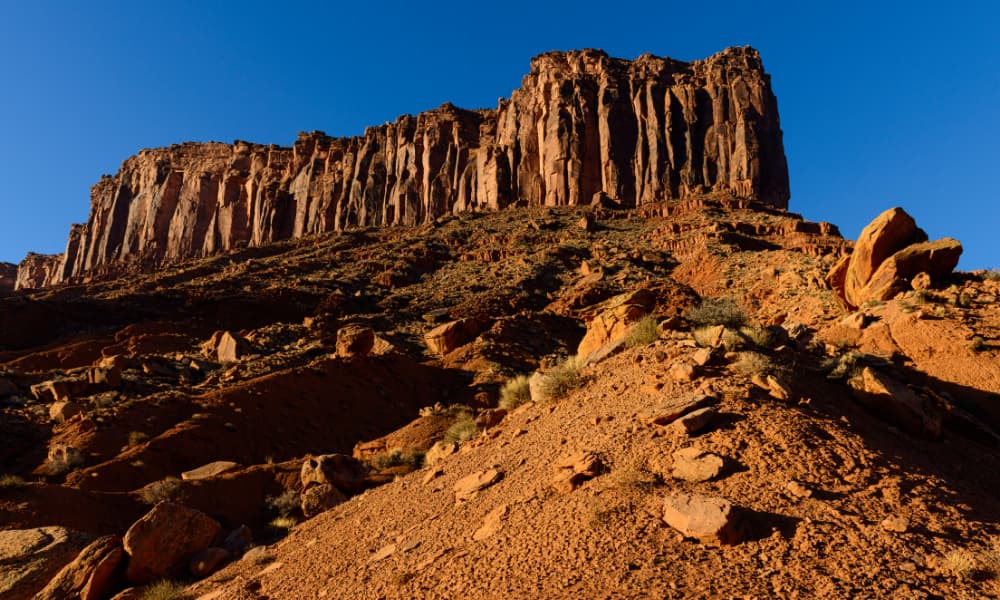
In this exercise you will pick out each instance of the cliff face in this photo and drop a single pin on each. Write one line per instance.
(643, 131)
(8, 276)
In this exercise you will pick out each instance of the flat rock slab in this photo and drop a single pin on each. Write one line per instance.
(670, 411)
(467, 487)
(210, 470)
(695, 464)
(709, 520)
(698, 420)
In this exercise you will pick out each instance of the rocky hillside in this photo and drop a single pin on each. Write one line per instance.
(581, 124)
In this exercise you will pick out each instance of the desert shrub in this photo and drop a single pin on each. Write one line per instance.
(992, 275)
(164, 590)
(12, 482)
(753, 363)
(559, 380)
(463, 429)
(136, 437)
(285, 503)
(762, 337)
(398, 458)
(978, 344)
(57, 467)
(167, 489)
(717, 311)
(643, 333)
(961, 563)
(515, 392)
(283, 523)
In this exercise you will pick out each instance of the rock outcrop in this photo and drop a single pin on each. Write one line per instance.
(8, 277)
(38, 270)
(890, 252)
(582, 125)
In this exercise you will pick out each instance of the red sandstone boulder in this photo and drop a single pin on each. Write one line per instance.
(91, 575)
(164, 540)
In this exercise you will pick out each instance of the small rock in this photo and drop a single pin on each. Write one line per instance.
(777, 388)
(432, 474)
(355, 341)
(383, 553)
(896, 524)
(695, 464)
(467, 487)
(854, 320)
(439, 451)
(708, 519)
(683, 372)
(587, 222)
(490, 417)
(491, 524)
(210, 470)
(60, 412)
(696, 421)
(702, 356)
(670, 411)
(319, 498)
(207, 561)
(258, 555)
(798, 490)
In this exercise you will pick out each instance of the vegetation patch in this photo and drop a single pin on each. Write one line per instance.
(717, 311)
(515, 392)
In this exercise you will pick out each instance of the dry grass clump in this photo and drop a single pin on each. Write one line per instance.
(164, 590)
(136, 437)
(285, 504)
(167, 489)
(643, 333)
(992, 275)
(753, 363)
(558, 381)
(763, 337)
(515, 392)
(961, 563)
(12, 482)
(283, 524)
(462, 430)
(978, 344)
(717, 311)
(849, 364)
(398, 457)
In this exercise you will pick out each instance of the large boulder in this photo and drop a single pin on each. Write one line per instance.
(29, 558)
(91, 576)
(355, 341)
(164, 540)
(344, 472)
(896, 403)
(889, 253)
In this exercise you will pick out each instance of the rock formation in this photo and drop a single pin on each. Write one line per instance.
(889, 253)
(582, 124)
(8, 276)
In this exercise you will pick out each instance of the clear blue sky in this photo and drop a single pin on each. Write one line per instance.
(882, 103)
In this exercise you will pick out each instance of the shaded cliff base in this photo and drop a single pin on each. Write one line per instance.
(836, 499)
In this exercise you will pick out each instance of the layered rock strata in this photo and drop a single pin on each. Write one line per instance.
(582, 123)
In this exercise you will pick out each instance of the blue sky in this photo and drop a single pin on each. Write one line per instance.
(894, 104)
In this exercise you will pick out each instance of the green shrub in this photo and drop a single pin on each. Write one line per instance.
(643, 333)
(515, 392)
(717, 311)
(463, 429)
(398, 458)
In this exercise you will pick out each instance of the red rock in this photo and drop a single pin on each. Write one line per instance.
(340, 470)
(355, 341)
(225, 347)
(212, 469)
(695, 464)
(670, 411)
(888, 233)
(695, 421)
(90, 576)
(895, 402)
(60, 412)
(449, 336)
(319, 498)
(710, 520)
(467, 487)
(614, 140)
(8, 277)
(165, 539)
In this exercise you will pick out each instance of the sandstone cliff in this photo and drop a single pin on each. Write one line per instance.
(8, 275)
(582, 123)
